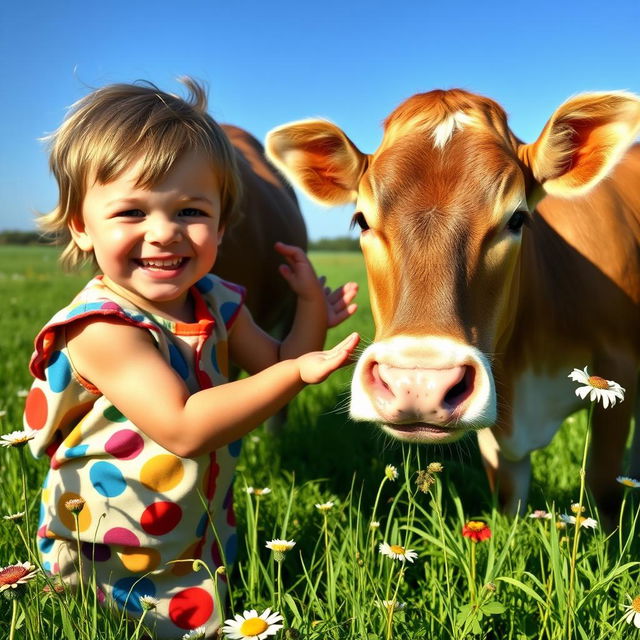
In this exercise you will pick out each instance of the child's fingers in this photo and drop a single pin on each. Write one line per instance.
(339, 315)
(348, 345)
(290, 253)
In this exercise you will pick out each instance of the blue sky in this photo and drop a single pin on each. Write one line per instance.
(274, 61)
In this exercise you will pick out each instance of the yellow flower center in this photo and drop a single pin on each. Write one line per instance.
(253, 627)
(628, 483)
(475, 525)
(280, 547)
(396, 549)
(598, 382)
(635, 604)
(11, 575)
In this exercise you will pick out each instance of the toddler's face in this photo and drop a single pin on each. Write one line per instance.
(153, 244)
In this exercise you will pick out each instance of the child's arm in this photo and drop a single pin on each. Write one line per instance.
(317, 309)
(124, 363)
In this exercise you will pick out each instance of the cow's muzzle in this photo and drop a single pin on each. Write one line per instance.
(430, 389)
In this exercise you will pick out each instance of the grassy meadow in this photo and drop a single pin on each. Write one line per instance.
(529, 580)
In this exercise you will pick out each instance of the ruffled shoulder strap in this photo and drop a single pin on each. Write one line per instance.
(94, 300)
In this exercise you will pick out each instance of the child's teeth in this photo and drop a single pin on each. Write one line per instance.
(173, 262)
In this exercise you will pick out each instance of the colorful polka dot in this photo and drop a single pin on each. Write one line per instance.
(204, 285)
(76, 452)
(96, 552)
(58, 372)
(235, 448)
(74, 438)
(190, 608)
(162, 473)
(160, 517)
(231, 516)
(121, 536)
(67, 518)
(178, 362)
(128, 591)
(216, 556)
(231, 548)
(36, 409)
(202, 525)
(192, 552)
(107, 479)
(113, 415)
(228, 497)
(228, 310)
(210, 477)
(124, 444)
(45, 544)
(139, 560)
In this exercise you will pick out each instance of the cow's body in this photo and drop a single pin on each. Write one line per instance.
(485, 295)
(269, 212)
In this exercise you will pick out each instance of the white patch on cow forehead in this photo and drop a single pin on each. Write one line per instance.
(442, 133)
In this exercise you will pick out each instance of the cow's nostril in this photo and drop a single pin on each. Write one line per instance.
(462, 389)
(378, 383)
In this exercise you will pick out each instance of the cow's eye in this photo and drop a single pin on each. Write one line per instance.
(360, 220)
(516, 221)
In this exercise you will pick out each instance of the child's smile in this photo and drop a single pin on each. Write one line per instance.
(153, 244)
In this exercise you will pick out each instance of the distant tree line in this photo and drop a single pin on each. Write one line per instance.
(24, 237)
(34, 237)
(344, 243)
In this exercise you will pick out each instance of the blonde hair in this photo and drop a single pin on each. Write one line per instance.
(104, 132)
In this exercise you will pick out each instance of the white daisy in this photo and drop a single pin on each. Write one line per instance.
(597, 388)
(15, 517)
(250, 625)
(541, 514)
(259, 492)
(628, 482)
(148, 602)
(324, 506)
(589, 523)
(3, 413)
(195, 634)
(280, 545)
(396, 552)
(22, 393)
(374, 524)
(391, 472)
(632, 612)
(16, 438)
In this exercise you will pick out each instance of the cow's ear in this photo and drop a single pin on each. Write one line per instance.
(583, 141)
(319, 158)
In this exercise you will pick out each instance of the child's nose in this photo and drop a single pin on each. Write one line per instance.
(161, 230)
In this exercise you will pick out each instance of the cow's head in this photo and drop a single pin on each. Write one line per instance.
(442, 205)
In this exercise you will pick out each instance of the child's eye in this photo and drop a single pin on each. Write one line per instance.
(191, 212)
(131, 213)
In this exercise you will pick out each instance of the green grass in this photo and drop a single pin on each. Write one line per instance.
(332, 581)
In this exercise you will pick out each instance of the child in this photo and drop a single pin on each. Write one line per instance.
(131, 399)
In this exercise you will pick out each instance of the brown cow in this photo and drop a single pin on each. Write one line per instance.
(268, 212)
(484, 295)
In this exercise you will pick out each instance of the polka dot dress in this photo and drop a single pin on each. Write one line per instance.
(145, 507)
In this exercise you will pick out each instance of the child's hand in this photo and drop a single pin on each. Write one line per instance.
(318, 365)
(338, 301)
(298, 271)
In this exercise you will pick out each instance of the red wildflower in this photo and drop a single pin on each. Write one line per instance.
(476, 530)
